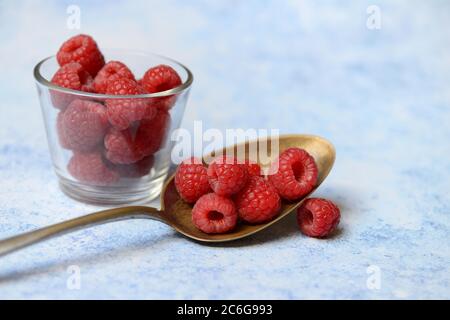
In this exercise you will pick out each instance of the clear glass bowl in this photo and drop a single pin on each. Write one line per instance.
(95, 172)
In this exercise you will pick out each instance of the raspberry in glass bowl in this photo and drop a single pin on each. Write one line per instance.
(109, 115)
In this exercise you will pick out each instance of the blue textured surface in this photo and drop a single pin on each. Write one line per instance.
(381, 96)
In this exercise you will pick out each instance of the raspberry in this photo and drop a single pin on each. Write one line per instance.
(135, 170)
(296, 174)
(82, 49)
(151, 134)
(258, 201)
(214, 214)
(90, 168)
(226, 176)
(164, 103)
(70, 76)
(88, 86)
(161, 78)
(111, 71)
(253, 168)
(83, 125)
(191, 180)
(120, 147)
(61, 133)
(123, 112)
(129, 146)
(318, 217)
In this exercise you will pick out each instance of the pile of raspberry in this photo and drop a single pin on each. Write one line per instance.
(110, 138)
(228, 192)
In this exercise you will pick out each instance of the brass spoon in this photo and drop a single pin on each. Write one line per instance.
(176, 213)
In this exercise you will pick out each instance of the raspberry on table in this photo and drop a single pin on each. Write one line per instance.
(120, 147)
(226, 176)
(90, 168)
(122, 112)
(135, 170)
(82, 126)
(70, 76)
(318, 217)
(84, 50)
(258, 201)
(191, 180)
(151, 133)
(214, 214)
(294, 174)
(111, 71)
(253, 168)
(158, 79)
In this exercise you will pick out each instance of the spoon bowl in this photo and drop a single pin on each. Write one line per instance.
(177, 213)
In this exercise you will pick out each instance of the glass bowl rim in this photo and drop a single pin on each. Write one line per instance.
(185, 85)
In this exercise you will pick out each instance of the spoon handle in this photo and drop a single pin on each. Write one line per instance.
(17, 242)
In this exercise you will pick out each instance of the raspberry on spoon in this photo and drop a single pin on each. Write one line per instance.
(294, 174)
(258, 202)
(214, 214)
(227, 176)
(191, 180)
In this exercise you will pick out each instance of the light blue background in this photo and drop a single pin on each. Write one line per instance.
(381, 96)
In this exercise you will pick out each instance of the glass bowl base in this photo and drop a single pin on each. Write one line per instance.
(140, 192)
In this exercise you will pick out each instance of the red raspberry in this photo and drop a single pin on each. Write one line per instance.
(82, 49)
(61, 133)
(318, 217)
(151, 134)
(70, 76)
(123, 112)
(83, 125)
(226, 176)
(88, 86)
(120, 147)
(296, 174)
(158, 79)
(253, 168)
(90, 168)
(135, 170)
(191, 180)
(111, 71)
(258, 202)
(214, 214)
(164, 103)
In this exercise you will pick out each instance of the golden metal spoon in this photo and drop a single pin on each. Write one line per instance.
(176, 213)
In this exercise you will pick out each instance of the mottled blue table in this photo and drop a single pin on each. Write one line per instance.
(378, 89)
